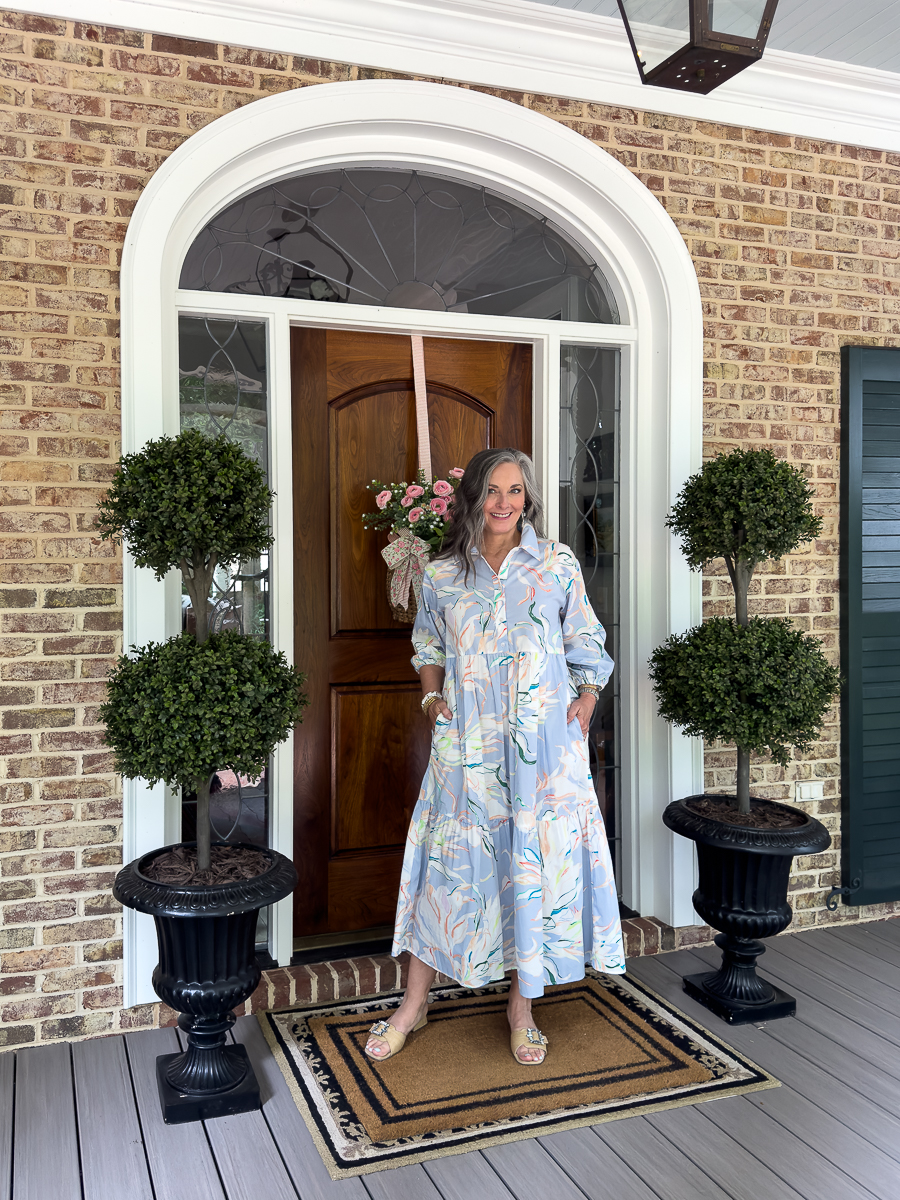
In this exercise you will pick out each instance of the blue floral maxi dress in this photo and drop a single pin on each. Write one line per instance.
(507, 863)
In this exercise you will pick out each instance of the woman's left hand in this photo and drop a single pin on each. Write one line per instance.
(583, 709)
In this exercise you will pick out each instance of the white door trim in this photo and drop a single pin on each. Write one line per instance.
(585, 191)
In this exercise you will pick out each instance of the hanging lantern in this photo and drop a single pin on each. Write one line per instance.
(694, 45)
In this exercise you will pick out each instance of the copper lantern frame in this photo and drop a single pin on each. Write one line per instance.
(709, 58)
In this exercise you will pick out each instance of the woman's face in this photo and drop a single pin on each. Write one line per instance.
(505, 499)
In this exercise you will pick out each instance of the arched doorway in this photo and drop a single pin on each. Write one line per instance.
(593, 202)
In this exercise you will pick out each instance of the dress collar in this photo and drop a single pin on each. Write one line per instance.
(528, 542)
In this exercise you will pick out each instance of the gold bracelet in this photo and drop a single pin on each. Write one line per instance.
(429, 700)
(591, 689)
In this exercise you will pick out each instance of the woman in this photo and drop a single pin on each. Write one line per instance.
(507, 867)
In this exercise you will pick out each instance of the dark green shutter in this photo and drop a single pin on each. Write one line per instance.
(870, 623)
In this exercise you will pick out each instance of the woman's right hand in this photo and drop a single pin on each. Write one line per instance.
(439, 708)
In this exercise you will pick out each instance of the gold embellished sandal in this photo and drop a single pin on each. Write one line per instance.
(394, 1038)
(528, 1038)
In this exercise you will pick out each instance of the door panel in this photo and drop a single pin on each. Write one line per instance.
(363, 747)
(378, 767)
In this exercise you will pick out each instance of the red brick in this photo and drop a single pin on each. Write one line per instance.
(89, 882)
(72, 1027)
(17, 984)
(38, 959)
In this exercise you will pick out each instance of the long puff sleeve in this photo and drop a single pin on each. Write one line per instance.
(583, 635)
(429, 630)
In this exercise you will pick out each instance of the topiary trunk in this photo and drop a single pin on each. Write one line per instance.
(743, 780)
(204, 838)
(741, 573)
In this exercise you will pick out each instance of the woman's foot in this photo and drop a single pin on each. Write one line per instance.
(518, 1013)
(407, 1017)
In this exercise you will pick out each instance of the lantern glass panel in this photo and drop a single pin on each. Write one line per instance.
(659, 28)
(736, 18)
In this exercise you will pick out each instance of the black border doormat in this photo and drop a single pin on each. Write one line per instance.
(616, 1050)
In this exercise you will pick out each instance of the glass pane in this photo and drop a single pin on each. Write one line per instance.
(659, 28)
(736, 18)
(223, 388)
(589, 524)
(399, 239)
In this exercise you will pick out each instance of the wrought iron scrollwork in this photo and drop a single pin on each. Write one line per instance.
(400, 239)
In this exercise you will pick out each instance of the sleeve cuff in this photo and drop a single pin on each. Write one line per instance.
(428, 658)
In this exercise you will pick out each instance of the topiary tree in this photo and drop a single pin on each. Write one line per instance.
(759, 683)
(193, 502)
(180, 710)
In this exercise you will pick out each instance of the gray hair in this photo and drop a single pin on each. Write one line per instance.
(467, 527)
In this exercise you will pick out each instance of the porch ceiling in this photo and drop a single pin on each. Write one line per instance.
(866, 33)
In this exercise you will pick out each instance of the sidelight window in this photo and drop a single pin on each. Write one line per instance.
(589, 524)
(223, 389)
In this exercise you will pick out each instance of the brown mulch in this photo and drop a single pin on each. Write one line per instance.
(229, 864)
(759, 817)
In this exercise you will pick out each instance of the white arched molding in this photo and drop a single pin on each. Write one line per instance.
(586, 192)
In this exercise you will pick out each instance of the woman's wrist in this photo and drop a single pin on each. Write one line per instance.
(430, 698)
(589, 689)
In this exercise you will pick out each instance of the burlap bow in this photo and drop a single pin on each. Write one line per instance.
(407, 558)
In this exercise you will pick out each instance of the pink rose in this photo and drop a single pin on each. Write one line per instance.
(414, 490)
(438, 506)
(382, 498)
(406, 501)
(442, 487)
(415, 514)
(456, 472)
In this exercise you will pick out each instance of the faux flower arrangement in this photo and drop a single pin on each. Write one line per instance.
(423, 507)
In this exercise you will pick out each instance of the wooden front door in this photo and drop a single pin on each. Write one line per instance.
(363, 746)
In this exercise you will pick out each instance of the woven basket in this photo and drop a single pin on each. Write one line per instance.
(406, 616)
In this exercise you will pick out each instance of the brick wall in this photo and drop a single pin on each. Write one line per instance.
(797, 249)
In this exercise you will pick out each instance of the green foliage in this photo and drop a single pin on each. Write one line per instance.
(746, 506)
(190, 499)
(764, 686)
(180, 710)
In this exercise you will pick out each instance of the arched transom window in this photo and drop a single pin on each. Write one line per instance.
(398, 239)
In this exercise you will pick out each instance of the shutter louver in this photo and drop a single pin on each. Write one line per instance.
(870, 623)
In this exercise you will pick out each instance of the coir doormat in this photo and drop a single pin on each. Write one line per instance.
(616, 1050)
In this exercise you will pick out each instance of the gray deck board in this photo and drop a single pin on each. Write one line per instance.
(800, 1167)
(7, 1099)
(45, 1166)
(403, 1183)
(181, 1162)
(830, 979)
(82, 1122)
(864, 937)
(833, 1010)
(858, 957)
(662, 1165)
(465, 1177)
(720, 1156)
(528, 1170)
(245, 1153)
(301, 1158)
(889, 930)
(820, 1083)
(113, 1163)
(595, 1167)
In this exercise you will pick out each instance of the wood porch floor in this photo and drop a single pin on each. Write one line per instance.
(82, 1121)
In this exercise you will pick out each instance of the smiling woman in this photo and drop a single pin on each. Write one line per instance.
(507, 868)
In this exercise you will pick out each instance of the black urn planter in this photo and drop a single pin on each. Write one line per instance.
(207, 966)
(743, 888)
